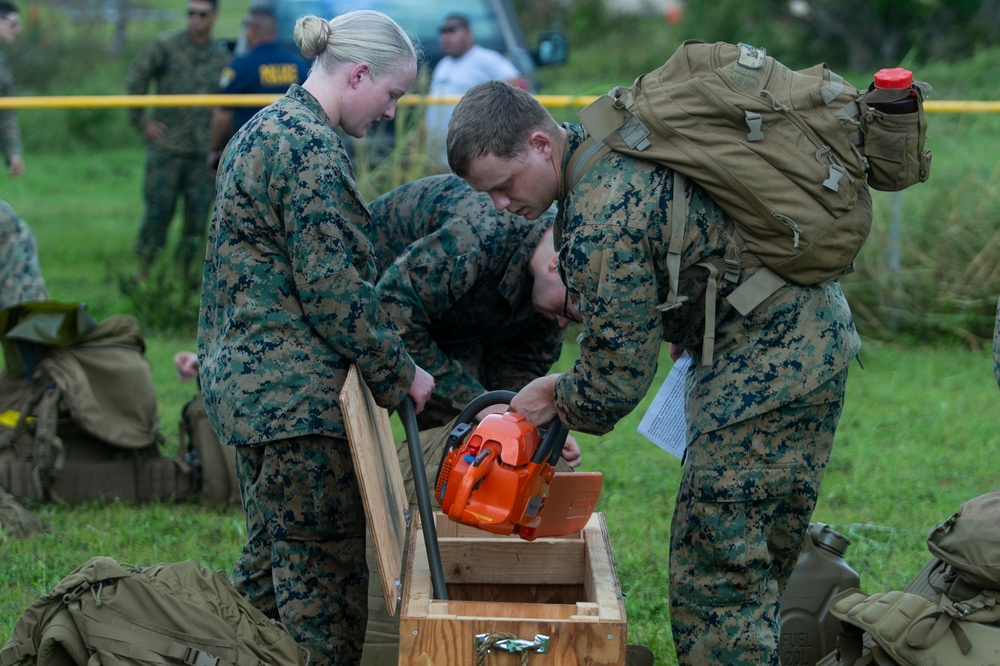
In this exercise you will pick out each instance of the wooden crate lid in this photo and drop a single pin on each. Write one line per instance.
(377, 466)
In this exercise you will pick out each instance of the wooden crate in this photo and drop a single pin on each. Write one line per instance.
(564, 589)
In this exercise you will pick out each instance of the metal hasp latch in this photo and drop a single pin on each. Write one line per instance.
(510, 643)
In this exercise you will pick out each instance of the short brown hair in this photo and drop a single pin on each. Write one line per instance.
(494, 118)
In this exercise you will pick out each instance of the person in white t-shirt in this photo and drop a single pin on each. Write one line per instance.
(465, 64)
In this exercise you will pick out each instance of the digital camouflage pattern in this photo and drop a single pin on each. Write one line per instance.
(288, 301)
(419, 208)
(460, 295)
(288, 305)
(303, 508)
(780, 368)
(175, 166)
(10, 131)
(21, 278)
(168, 175)
(173, 65)
(744, 502)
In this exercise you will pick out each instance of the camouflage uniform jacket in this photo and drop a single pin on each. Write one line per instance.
(10, 132)
(613, 230)
(177, 66)
(288, 300)
(463, 284)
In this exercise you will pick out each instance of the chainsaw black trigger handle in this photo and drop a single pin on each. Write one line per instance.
(552, 443)
(481, 402)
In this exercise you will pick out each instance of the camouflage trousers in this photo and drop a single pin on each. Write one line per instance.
(20, 276)
(170, 176)
(743, 508)
(304, 559)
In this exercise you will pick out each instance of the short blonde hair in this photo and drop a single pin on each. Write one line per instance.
(358, 36)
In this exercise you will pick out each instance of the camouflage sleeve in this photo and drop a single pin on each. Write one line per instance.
(10, 133)
(20, 276)
(144, 68)
(416, 288)
(332, 255)
(611, 267)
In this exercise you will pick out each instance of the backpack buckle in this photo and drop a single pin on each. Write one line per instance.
(196, 657)
(961, 611)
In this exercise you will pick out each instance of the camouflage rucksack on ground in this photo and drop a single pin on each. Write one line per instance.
(788, 155)
(106, 614)
(950, 617)
(78, 410)
(79, 418)
(214, 462)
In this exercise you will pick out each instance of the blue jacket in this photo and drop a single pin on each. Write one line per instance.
(267, 68)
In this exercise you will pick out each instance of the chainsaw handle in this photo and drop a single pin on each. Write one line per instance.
(552, 444)
(548, 451)
(478, 469)
(481, 402)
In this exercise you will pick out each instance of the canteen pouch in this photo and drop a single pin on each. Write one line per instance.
(894, 145)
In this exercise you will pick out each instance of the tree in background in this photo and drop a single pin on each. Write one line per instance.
(856, 35)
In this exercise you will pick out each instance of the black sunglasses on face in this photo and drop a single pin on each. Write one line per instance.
(198, 13)
(448, 29)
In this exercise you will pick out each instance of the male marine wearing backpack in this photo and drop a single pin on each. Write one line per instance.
(761, 414)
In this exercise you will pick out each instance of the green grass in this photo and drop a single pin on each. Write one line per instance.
(918, 425)
(916, 439)
(918, 436)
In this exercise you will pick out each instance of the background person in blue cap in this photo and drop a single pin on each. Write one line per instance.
(268, 68)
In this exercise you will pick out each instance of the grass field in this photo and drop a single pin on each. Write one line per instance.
(918, 435)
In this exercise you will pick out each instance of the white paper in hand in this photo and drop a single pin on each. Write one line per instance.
(664, 423)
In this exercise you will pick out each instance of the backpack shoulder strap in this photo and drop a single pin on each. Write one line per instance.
(585, 156)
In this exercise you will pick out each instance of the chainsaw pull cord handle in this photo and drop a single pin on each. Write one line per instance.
(408, 415)
(481, 466)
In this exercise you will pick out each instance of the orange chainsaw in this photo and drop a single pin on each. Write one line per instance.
(500, 475)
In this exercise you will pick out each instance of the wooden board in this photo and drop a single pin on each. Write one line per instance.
(374, 452)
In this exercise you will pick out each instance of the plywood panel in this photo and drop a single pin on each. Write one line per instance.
(374, 452)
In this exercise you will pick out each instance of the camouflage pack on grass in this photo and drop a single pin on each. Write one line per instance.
(788, 155)
(106, 614)
(79, 418)
(78, 411)
(951, 616)
(215, 463)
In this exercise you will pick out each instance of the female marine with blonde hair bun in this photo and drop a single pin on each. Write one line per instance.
(288, 305)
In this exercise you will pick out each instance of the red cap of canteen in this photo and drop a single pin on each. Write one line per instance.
(895, 78)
